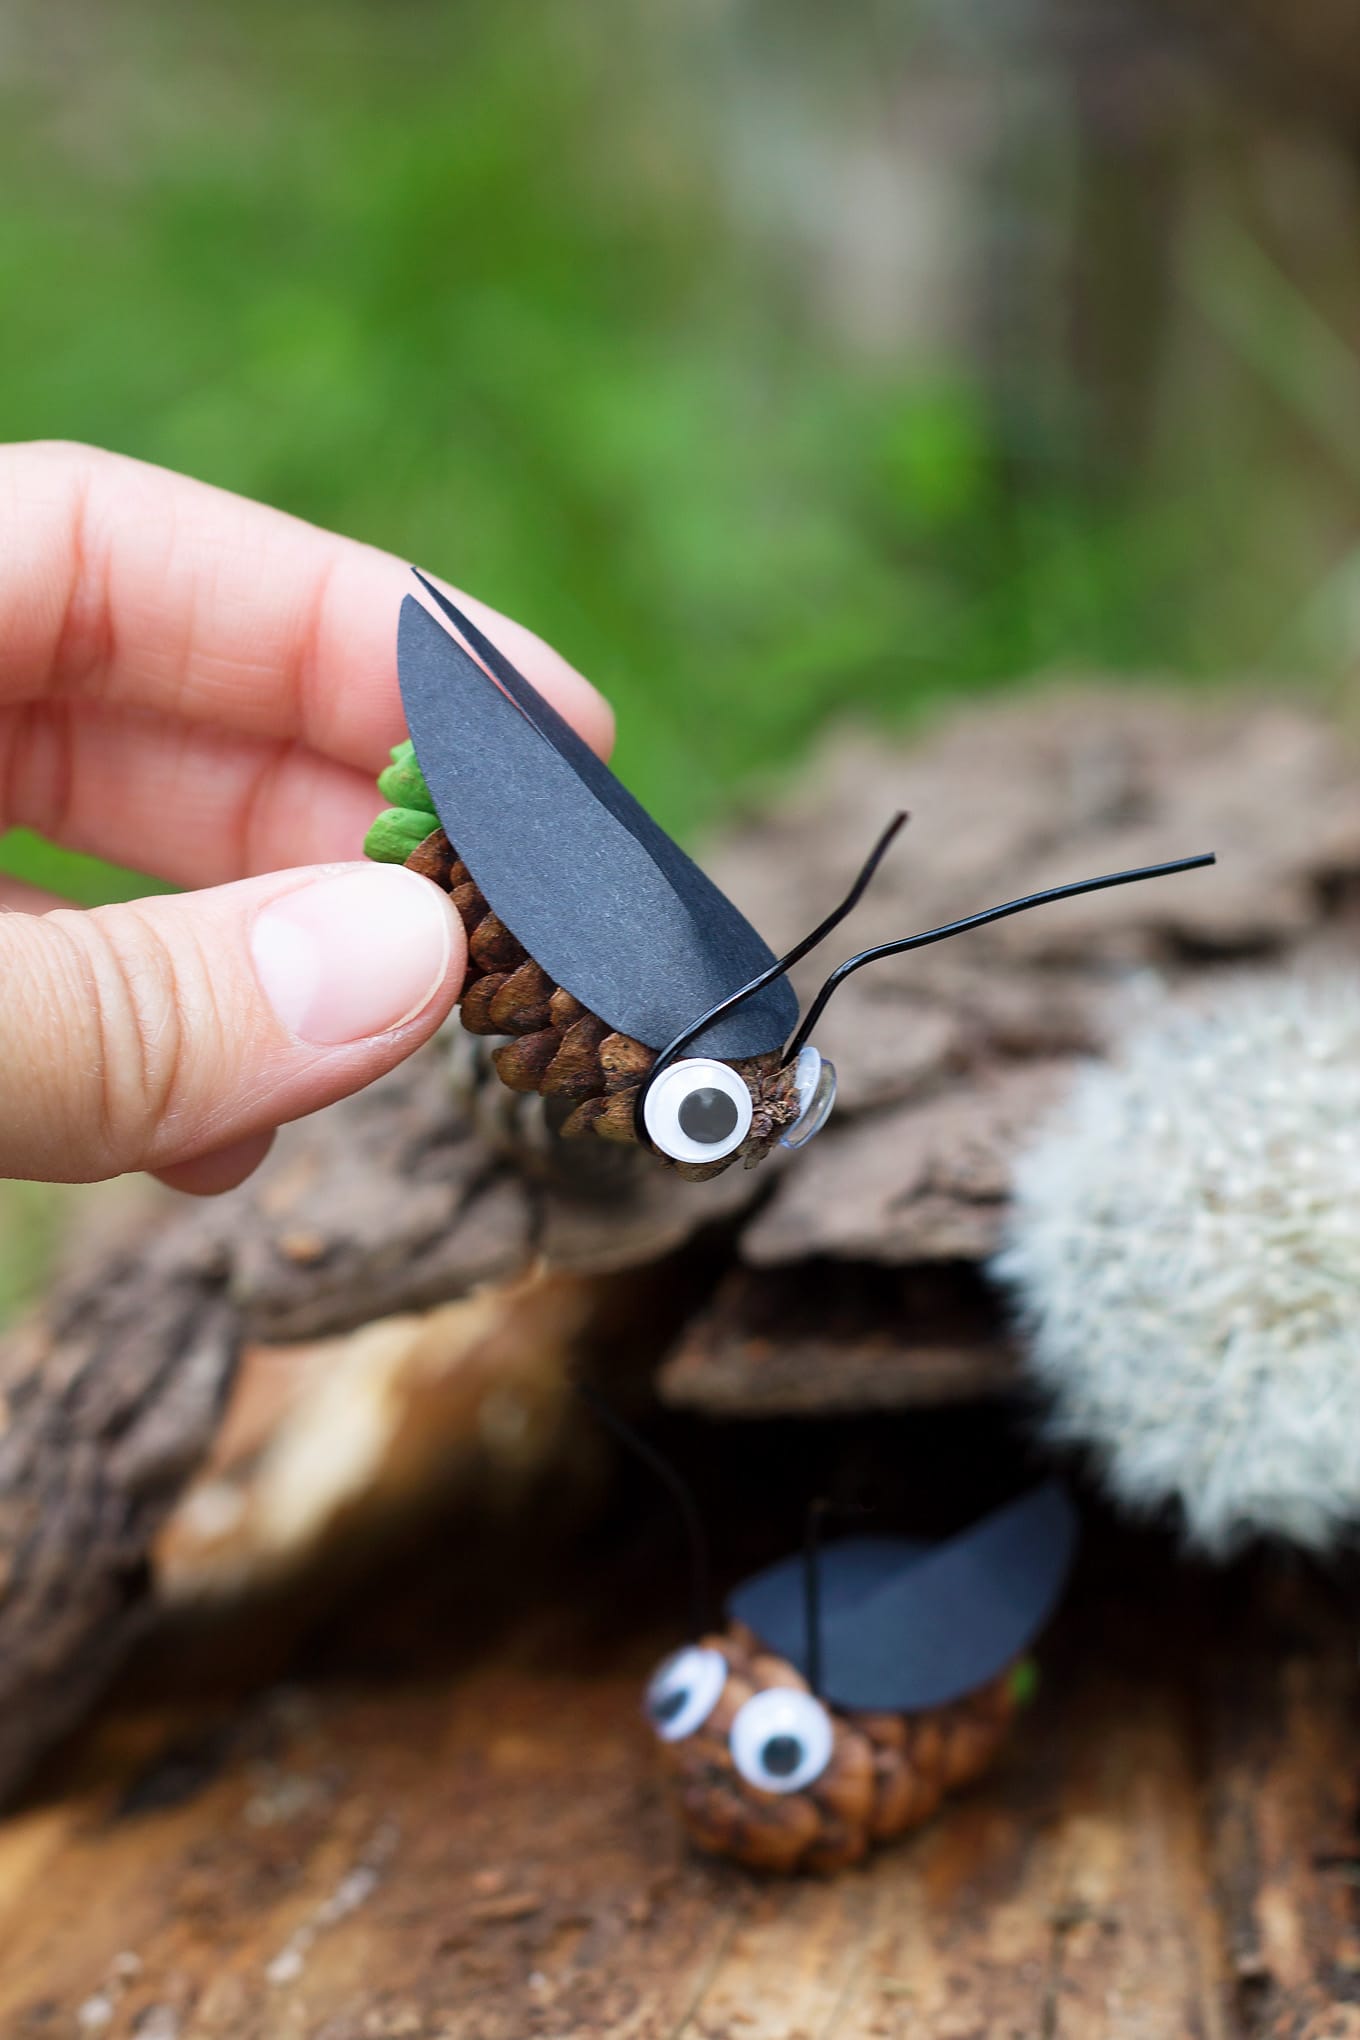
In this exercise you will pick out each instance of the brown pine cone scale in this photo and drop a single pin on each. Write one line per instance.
(523, 1003)
(492, 947)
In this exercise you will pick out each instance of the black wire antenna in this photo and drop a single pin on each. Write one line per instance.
(681, 1493)
(783, 963)
(923, 941)
(1002, 913)
(813, 1527)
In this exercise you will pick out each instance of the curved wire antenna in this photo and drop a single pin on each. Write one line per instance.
(812, 1595)
(1002, 913)
(680, 1492)
(817, 1514)
(778, 968)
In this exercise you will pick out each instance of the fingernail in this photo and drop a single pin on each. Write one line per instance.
(354, 955)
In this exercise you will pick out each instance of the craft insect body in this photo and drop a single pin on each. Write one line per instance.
(855, 1685)
(633, 994)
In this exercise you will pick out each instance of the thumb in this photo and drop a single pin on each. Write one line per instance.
(148, 1036)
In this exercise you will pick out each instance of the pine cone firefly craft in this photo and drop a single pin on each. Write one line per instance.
(630, 987)
(789, 1758)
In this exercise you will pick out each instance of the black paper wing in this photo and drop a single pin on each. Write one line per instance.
(601, 897)
(771, 1603)
(906, 1626)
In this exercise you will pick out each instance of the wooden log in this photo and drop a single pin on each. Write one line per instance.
(831, 1336)
(1284, 1813)
(105, 1411)
(398, 1202)
(485, 1854)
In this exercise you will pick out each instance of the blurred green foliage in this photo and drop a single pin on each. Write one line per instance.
(460, 281)
(471, 283)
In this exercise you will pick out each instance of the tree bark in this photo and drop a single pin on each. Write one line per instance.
(849, 1276)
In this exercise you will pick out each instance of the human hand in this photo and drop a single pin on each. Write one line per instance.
(205, 689)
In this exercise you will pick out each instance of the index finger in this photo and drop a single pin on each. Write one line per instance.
(127, 585)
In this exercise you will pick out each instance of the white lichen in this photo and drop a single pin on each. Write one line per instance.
(355, 1889)
(1184, 1252)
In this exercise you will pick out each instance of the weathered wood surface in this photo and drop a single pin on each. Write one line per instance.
(400, 1200)
(109, 1412)
(1167, 1853)
(105, 1412)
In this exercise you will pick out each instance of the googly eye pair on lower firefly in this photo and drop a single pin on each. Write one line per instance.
(700, 1110)
(780, 1739)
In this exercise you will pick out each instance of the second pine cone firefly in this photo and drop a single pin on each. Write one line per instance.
(854, 1686)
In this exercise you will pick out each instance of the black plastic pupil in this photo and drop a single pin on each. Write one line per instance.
(666, 1706)
(781, 1755)
(708, 1115)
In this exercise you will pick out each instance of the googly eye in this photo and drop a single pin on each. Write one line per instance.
(781, 1740)
(684, 1692)
(814, 1080)
(697, 1111)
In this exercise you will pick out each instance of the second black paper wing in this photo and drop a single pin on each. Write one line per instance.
(603, 900)
(907, 1626)
(773, 1604)
(950, 1622)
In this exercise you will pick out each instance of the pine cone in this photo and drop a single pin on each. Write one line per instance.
(888, 1772)
(559, 1049)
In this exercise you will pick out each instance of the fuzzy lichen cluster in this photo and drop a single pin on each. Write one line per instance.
(1184, 1253)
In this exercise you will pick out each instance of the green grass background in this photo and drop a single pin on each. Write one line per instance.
(465, 282)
